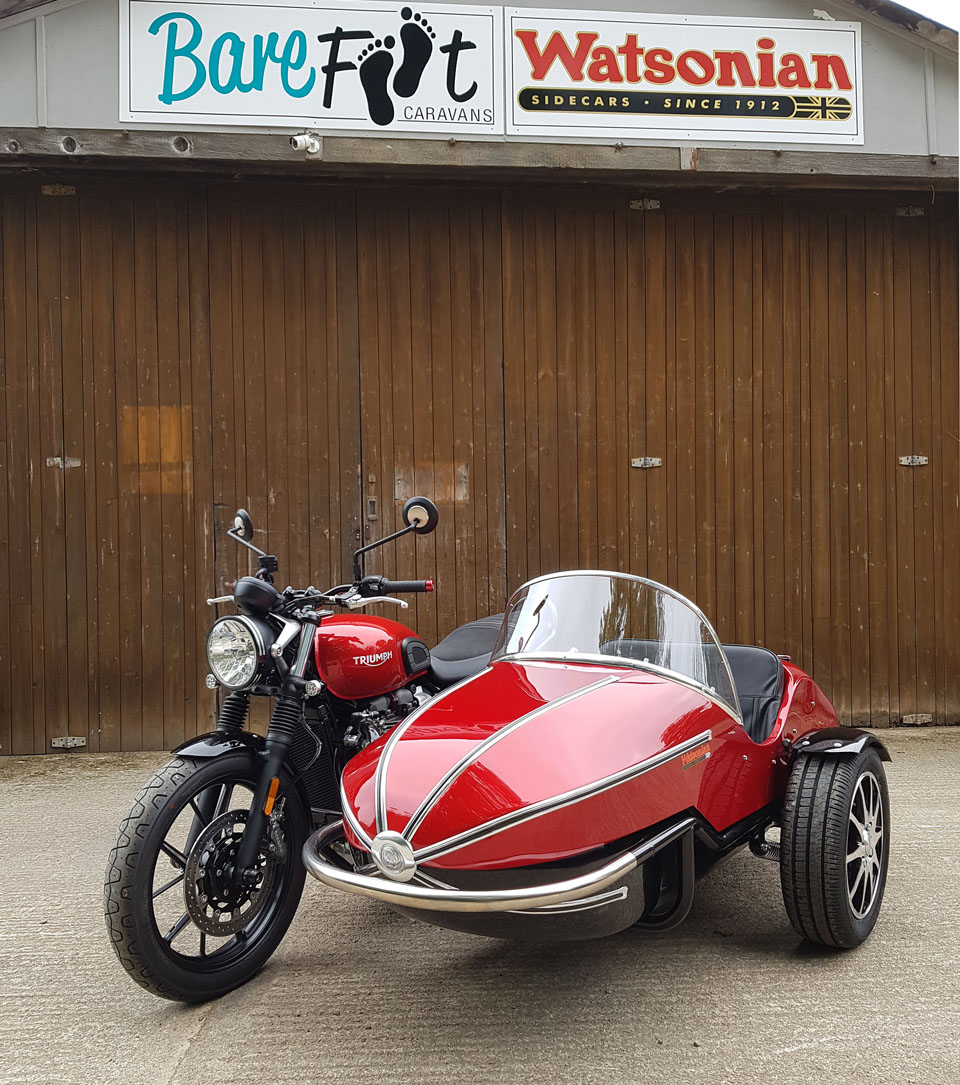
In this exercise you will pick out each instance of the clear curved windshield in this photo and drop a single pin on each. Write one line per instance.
(593, 616)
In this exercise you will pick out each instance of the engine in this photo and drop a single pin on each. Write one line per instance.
(379, 714)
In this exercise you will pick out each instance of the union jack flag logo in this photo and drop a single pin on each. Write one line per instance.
(822, 109)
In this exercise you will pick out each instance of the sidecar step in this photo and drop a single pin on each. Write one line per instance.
(431, 898)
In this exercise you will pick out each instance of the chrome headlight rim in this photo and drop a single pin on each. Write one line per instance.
(259, 645)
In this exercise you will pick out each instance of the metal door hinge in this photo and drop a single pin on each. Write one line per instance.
(913, 461)
(644, 205)
(65, 461)
(910, 212)
(67, 742)
(646, 461)
(917, 719)
(58, 190)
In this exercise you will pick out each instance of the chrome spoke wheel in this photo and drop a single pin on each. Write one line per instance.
(866, 845)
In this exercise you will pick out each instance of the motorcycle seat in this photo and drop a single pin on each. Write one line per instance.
(465, 651)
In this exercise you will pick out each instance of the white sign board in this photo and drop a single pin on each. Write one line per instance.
(365, 67)
(577, 73)
(448, 69)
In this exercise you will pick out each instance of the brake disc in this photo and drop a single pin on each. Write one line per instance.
(215, 903)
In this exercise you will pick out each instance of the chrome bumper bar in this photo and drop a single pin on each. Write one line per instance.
(405, 895)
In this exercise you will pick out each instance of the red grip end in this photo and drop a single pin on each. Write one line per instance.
(429, 585)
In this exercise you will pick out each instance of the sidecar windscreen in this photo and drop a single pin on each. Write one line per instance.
(606, 617)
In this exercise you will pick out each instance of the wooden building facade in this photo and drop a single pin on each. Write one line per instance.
(318, 345)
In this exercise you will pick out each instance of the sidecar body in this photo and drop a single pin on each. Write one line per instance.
(610, 751)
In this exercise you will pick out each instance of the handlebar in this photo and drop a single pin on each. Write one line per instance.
(380, 585)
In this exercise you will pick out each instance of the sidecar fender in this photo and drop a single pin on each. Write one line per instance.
(217, 742)
(839, 740)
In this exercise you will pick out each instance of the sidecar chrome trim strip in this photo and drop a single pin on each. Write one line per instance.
(431, 898)
(557, 802)
(355, 827)
(452, 774)
(383, 762)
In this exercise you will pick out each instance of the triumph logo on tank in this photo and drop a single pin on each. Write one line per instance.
(575, 73)
(375, 67)
(374, 659)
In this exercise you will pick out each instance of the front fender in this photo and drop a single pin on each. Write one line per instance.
(839, 740)
(219, 742)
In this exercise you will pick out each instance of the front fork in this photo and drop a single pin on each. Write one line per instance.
(287, 713)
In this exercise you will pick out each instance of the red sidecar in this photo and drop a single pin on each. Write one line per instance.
(608, 755)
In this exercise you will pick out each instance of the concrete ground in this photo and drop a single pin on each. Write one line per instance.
(359, 994)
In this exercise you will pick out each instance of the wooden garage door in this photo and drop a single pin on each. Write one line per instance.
(167, 354)
(777, 363)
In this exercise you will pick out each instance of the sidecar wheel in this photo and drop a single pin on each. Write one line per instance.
(835, 844)
(157, 888)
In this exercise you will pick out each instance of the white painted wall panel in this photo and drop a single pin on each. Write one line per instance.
(18, 75)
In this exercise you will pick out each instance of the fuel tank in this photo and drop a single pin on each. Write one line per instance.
(362, 656)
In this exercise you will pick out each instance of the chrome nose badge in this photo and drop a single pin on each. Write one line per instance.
(394, 856)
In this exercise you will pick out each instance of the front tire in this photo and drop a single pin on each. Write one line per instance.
(152, 870)
(835, 842)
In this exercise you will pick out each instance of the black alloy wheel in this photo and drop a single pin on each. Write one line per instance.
(835, 846)
(178, 923)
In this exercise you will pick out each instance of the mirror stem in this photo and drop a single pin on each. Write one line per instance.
(358, 554)
(249, 545)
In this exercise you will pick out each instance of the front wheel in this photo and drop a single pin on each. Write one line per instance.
(178, 923)
(835, 846)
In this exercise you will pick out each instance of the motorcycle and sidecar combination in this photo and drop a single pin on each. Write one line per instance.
(564, 770)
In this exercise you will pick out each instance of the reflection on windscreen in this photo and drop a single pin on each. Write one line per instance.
(609, 615)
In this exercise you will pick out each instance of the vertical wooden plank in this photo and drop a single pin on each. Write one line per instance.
(723, 425)
(612, 387)
(758, 496)
(544, 376)
(200, 507)
(822, 662)
(857, 504)
(49, 528)
(792, 481)
(493, 389)
(743, 396)
(684, 498)
(570, 286)
(170, 454)
(636, 420)
(652, 547)
(705, 451)
(515, 289)
(945, 241)
(876, 454)
(892, 624)
(904, 476)
(19, 344)
(148, 459)
(772, 436)
(5, 605)
(923, 479)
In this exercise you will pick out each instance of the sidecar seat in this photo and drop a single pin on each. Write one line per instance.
(465, 651)
(759, 677)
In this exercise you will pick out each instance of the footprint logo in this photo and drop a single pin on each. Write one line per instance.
(416, 36)
(376, 63)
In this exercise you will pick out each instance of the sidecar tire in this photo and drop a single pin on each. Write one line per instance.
(824, 891)
(129, 880)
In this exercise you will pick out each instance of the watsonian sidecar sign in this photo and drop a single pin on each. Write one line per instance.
(483, 71)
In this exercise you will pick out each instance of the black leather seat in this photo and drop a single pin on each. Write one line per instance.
(759, 677)
(465, 652)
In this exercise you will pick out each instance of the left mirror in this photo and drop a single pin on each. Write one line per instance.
(243, 525)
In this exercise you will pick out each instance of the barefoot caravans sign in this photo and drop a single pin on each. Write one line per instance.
(358, 66)
(471, 70)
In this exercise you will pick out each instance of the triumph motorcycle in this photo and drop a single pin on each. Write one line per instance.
(206, 873)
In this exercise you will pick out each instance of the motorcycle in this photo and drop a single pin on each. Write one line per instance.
(206, 874)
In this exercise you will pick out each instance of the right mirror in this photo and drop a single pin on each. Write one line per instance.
(243, 525)
(421, 514)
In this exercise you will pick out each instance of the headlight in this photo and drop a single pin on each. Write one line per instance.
(234, 650)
